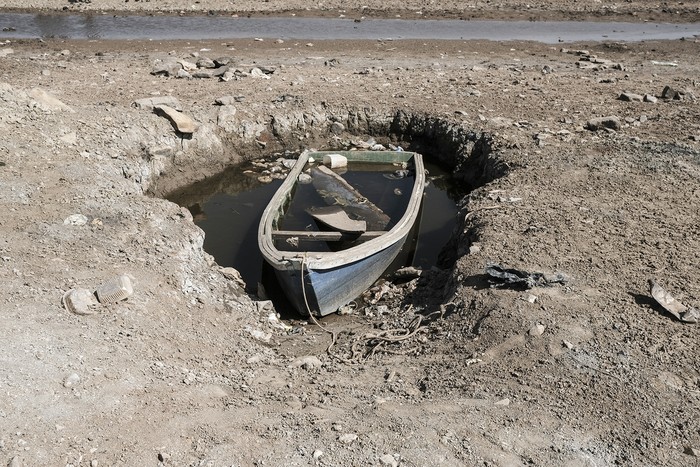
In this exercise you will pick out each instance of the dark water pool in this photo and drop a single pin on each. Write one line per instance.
(228, 208)
(159, 27)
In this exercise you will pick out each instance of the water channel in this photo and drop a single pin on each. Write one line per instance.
(163, 27)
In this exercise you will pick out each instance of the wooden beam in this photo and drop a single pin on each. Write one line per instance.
(324, 236)
(335, 190)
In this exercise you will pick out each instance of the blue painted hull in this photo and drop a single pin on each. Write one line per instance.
(329, 289)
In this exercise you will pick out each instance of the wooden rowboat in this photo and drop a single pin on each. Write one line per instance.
(334, 253)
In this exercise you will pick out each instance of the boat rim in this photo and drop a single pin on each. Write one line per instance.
(327, 260)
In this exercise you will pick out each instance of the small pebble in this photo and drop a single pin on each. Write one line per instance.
(71, 380)
(317, 454)
(347, 438)
(388, 459)
(537, 330)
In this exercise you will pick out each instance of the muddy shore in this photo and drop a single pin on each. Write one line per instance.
(190, 370)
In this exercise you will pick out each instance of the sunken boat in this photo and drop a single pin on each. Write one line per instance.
(338, 221)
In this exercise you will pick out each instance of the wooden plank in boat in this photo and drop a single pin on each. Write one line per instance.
(324, 236)
(336, 191)
(335, 218)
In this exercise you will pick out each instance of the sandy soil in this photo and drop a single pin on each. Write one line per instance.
(190, 371)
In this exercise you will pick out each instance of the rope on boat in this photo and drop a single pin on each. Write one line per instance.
(376, 340)
(334, 335)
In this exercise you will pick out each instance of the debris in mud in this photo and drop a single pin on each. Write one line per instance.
(80, 301)
(85, 302)
(680, 311)
(181, 122)
(509, 277)
(115, 290)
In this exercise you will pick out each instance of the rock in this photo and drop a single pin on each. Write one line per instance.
(309, 362)
(600, 123)
(347, 438)
(257, 334)
(317, 454)
(228, 75)
(288, 163)
(4, 52)
(503, 402)
(258, 73)
(650, 98)
(205, 63)
(187, 66)
(71, 380)
(408, 272)
(226, 117)
(149, 103)
(160, 151)
(337, 128)
(75, 219)
(167, 68)
(234, 275)
(225, 100)
(48, 101)
(223, 61)
(630, 97)
(203, 74)
(536, 330)
(14, 462)
(181, 122)
(388, 459)
(267, 69)
(182, 74)
(691, 451)
(670, 93)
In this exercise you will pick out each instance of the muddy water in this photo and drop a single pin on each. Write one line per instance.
(74, 26)
(228, 208)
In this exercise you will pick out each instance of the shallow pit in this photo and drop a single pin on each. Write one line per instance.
(228, 205)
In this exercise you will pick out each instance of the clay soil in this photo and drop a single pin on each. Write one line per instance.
(441, 370)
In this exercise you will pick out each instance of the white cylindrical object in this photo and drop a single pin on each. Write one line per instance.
(335, 161)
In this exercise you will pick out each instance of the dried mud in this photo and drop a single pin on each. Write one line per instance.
(440, 370)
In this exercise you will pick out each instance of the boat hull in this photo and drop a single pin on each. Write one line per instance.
(325, 291)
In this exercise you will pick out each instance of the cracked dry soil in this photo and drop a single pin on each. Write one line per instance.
(586, 373)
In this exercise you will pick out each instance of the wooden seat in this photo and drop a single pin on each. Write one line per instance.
(324, 236)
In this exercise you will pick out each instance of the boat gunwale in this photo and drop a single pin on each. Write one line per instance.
(287, 260)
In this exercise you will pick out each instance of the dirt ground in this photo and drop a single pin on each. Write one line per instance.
(440, 370)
